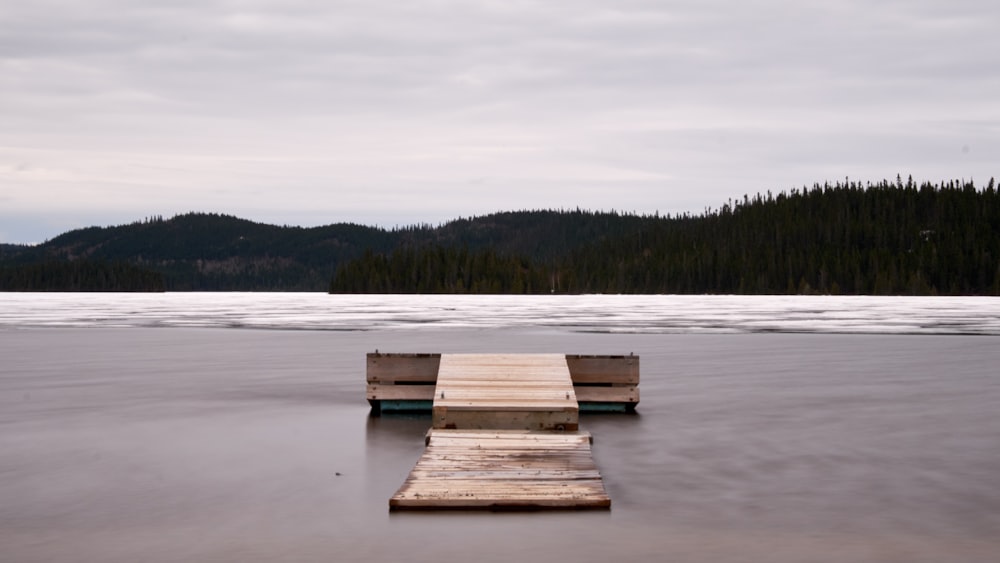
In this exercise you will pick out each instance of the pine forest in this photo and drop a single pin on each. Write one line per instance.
(891, 237)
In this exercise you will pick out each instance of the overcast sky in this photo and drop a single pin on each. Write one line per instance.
(311, 112)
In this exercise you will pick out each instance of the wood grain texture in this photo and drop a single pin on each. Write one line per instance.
(603, 369)
(625, 394)
(376, 392)
(398, 381)
(505, 391)
(401, 368)
(503, 469)
(597, 378)
(505, 433)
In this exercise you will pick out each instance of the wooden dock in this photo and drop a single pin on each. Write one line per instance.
(503, 469)
(504, 436)
(505, 391)
(406, 382)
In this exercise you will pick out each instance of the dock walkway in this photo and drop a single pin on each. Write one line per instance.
(503, 469)
(406, 381)
(505, 391)
(505, 435)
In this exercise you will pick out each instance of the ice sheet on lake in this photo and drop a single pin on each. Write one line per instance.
(579, 313)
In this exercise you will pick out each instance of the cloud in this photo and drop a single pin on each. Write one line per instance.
(430, 109)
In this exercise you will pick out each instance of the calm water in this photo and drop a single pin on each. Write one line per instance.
(216, 444)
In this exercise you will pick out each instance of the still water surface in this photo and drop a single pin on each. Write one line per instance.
(211, 444)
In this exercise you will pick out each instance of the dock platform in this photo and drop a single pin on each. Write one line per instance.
(503, 470)
(505, 431)
(406, 381)
(505, 391)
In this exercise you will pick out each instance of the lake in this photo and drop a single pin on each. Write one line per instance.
(213, 427)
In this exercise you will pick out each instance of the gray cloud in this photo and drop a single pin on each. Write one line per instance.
(421, 111)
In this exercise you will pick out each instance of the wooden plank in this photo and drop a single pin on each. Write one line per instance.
(497, 469)
(395, 367)
(511, 419)
(505, 391)
(623, 394)
(603, 369)
(378, 392)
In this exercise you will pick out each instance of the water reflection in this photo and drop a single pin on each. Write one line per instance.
(393, 443)
(391, 428)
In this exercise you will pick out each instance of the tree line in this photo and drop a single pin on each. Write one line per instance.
(82, 275)
(891, 237)
(439, 269)
(846, 238)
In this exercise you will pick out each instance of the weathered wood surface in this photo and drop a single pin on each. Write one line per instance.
(400, 392)
(628, 394)
(503, 469)
(402, 368)
(405, 381)
(597, 379)
(614, 370)
(505, 391)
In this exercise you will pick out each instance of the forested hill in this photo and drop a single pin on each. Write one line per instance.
(212, 252)
(891, 237)
(888, 238)
(841, 239)
(206, 252)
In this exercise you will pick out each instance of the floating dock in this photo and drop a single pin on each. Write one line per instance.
(505, 427)
(406, 382)
(505, 392)
(503, 469)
